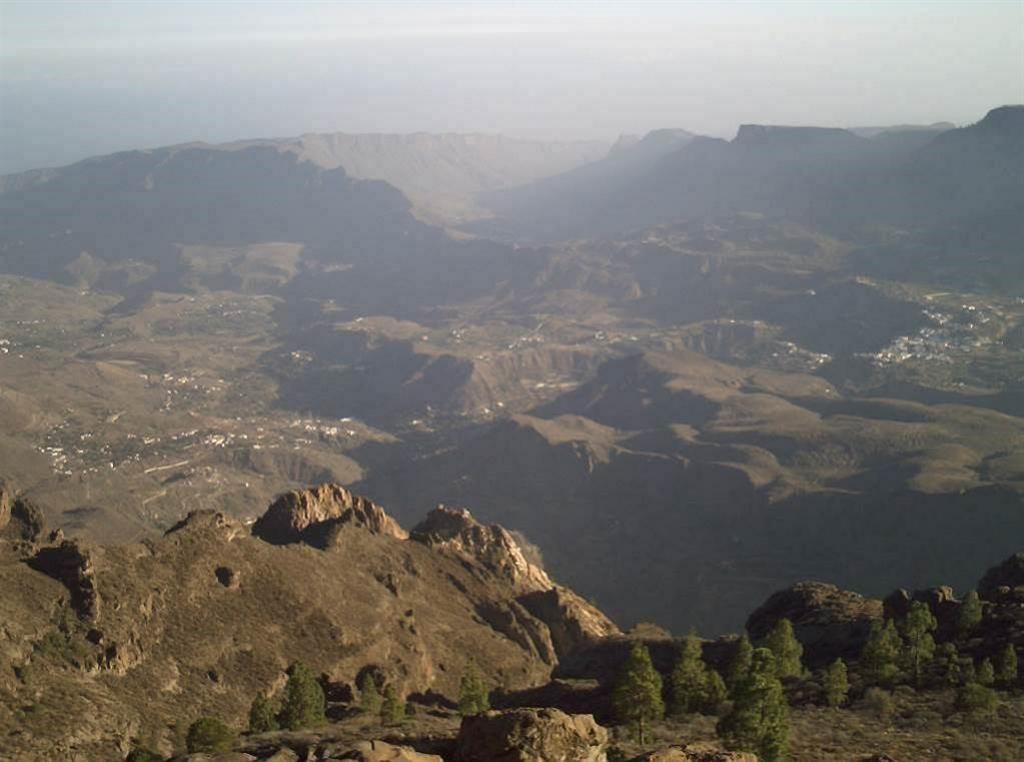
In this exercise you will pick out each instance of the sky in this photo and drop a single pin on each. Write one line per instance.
(84, 78)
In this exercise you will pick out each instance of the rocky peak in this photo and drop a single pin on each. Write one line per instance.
(454, 530)
(310, 515)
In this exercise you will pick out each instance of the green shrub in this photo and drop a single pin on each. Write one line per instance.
(142, 754)
(975, 698)
(210, 735)
(879, 702)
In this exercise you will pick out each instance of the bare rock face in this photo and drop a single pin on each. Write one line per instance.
(72, 566)
(531, 735)
(310, 515)
(695, 753)
(455, 531)
(829, 622)
(1003, 579)
(571, 620)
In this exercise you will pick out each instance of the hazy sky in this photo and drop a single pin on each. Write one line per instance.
(83, 78)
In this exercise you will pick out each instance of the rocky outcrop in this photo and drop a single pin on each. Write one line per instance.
(829, 622)
(695, 753)
(312, 515)
(207, 522)
(571, 620)
(455, 531)
(72, 566)
(21, 520)
(941, 600)
(531, 735)
(1003, 578)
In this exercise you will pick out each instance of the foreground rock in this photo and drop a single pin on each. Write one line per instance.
(531, 735)
(695, 753)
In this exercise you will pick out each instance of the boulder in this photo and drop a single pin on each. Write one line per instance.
(531, 735)
(312, 515)
(827, 621)
(379, 751)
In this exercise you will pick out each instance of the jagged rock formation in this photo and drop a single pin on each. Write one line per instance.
(455, 531)
(309, 515)
(569, 620)
(531, 735)
(829, 622)
(202, 619)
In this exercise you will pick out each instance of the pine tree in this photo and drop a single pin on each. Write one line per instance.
(369, 694)
(304, 703)
(787, 649)
(986, 673)
(473, 694)
(969, 615)
(759, 720)
(949, 660)
(262, 717)
(739, 666)
(689, 678)
(878, 658)
(837, 683)
(919, 646)
(715, 692)
(392, 711)
(1006, 667)
(637, 695)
